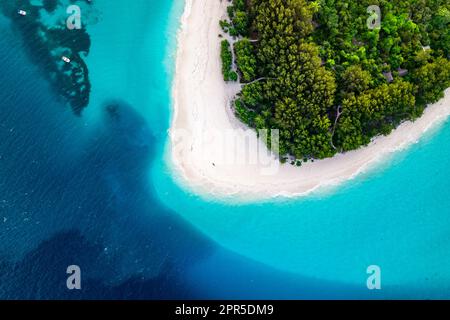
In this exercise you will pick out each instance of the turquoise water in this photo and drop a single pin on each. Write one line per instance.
(149, 236)
(396, 217)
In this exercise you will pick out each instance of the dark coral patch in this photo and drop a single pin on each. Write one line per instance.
(48, 45)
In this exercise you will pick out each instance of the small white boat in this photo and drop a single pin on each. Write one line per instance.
(22, 12)
(65, 59)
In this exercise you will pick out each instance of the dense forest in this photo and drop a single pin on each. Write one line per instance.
(332, 74)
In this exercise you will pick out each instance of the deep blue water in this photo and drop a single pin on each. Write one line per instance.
(97, 191)
(68, 197)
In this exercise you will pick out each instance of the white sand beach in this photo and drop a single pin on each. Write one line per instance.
(216, 155)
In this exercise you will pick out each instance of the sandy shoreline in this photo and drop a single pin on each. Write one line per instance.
(215, 155)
